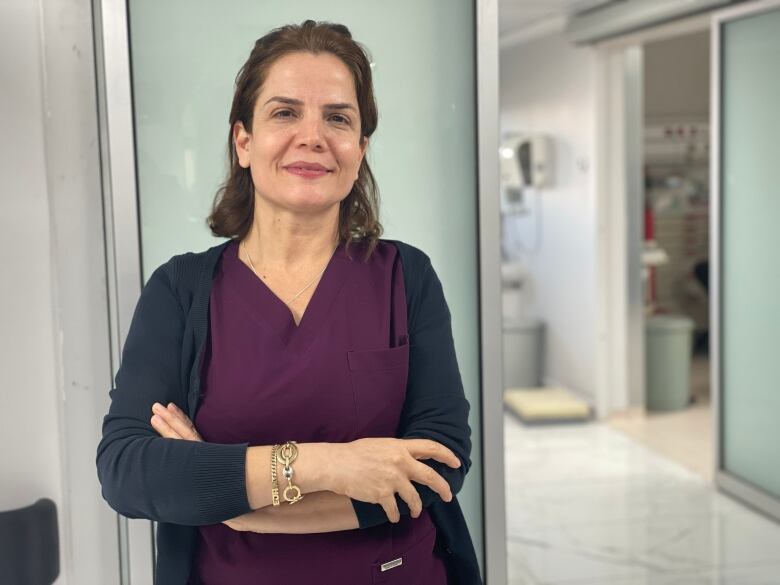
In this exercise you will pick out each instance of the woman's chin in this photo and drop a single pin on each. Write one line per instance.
(311, 202)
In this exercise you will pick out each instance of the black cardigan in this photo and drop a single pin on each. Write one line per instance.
(184, 484)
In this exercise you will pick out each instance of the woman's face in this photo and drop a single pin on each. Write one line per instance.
(304, 150)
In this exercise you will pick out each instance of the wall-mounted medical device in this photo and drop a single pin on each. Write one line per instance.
(526, 163)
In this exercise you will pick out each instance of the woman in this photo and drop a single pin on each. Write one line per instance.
(279, 392)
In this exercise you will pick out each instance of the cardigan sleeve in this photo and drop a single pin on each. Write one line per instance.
(435, 407)
(143, 475)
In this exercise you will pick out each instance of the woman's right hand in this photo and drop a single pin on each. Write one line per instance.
(374, 469)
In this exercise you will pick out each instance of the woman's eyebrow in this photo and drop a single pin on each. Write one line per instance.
(296, 102)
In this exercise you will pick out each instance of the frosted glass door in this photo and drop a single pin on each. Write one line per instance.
(185, 55)
(750, 244)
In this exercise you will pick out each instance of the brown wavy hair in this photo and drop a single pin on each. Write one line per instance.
(234, 203)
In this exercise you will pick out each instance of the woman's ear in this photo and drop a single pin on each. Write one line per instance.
(363, 147)
(241, 140)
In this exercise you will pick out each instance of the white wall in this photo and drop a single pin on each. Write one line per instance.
(548, 86)
(54, 342)
(29, 417)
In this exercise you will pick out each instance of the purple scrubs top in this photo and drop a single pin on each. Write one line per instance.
(338, 376)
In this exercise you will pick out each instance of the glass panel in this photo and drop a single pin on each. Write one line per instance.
(423, 153)
(749, 247)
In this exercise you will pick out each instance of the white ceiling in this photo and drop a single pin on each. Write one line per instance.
(514, 16)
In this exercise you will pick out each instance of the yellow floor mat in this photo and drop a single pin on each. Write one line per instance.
(546, 405)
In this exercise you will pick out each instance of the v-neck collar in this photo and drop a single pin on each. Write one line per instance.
(263, 304)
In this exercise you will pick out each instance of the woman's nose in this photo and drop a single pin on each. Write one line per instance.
(311, 133)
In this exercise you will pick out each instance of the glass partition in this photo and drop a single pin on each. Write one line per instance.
(750, 240)
(184, 57)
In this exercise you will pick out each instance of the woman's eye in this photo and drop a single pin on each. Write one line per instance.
(282, 114)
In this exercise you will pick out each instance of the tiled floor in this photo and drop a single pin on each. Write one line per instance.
(589, 505)
(684, 436)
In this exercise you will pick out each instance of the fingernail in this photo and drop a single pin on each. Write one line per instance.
(156, 406)
(156, 419)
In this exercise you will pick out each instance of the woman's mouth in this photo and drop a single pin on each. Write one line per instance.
(307, 171)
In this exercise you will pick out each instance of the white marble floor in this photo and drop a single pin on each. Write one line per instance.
(588, 505)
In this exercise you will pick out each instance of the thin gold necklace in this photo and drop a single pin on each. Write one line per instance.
(252, 265)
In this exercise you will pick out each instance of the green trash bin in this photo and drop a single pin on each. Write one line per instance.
(668, 346)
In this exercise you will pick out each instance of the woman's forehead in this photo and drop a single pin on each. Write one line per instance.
(307, 77)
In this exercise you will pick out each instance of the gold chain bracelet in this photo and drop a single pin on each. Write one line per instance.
(274, 482)
(288, 452)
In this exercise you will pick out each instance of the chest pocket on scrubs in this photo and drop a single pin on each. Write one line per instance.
(379, 387)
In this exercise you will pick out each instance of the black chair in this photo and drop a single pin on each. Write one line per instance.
(30, 545)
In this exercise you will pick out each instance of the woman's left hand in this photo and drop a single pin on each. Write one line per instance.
(172, 423)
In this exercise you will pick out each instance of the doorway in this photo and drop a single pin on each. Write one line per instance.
(730, 206)
(669, 408)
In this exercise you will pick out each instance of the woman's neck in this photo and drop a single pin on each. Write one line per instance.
(283, 241)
